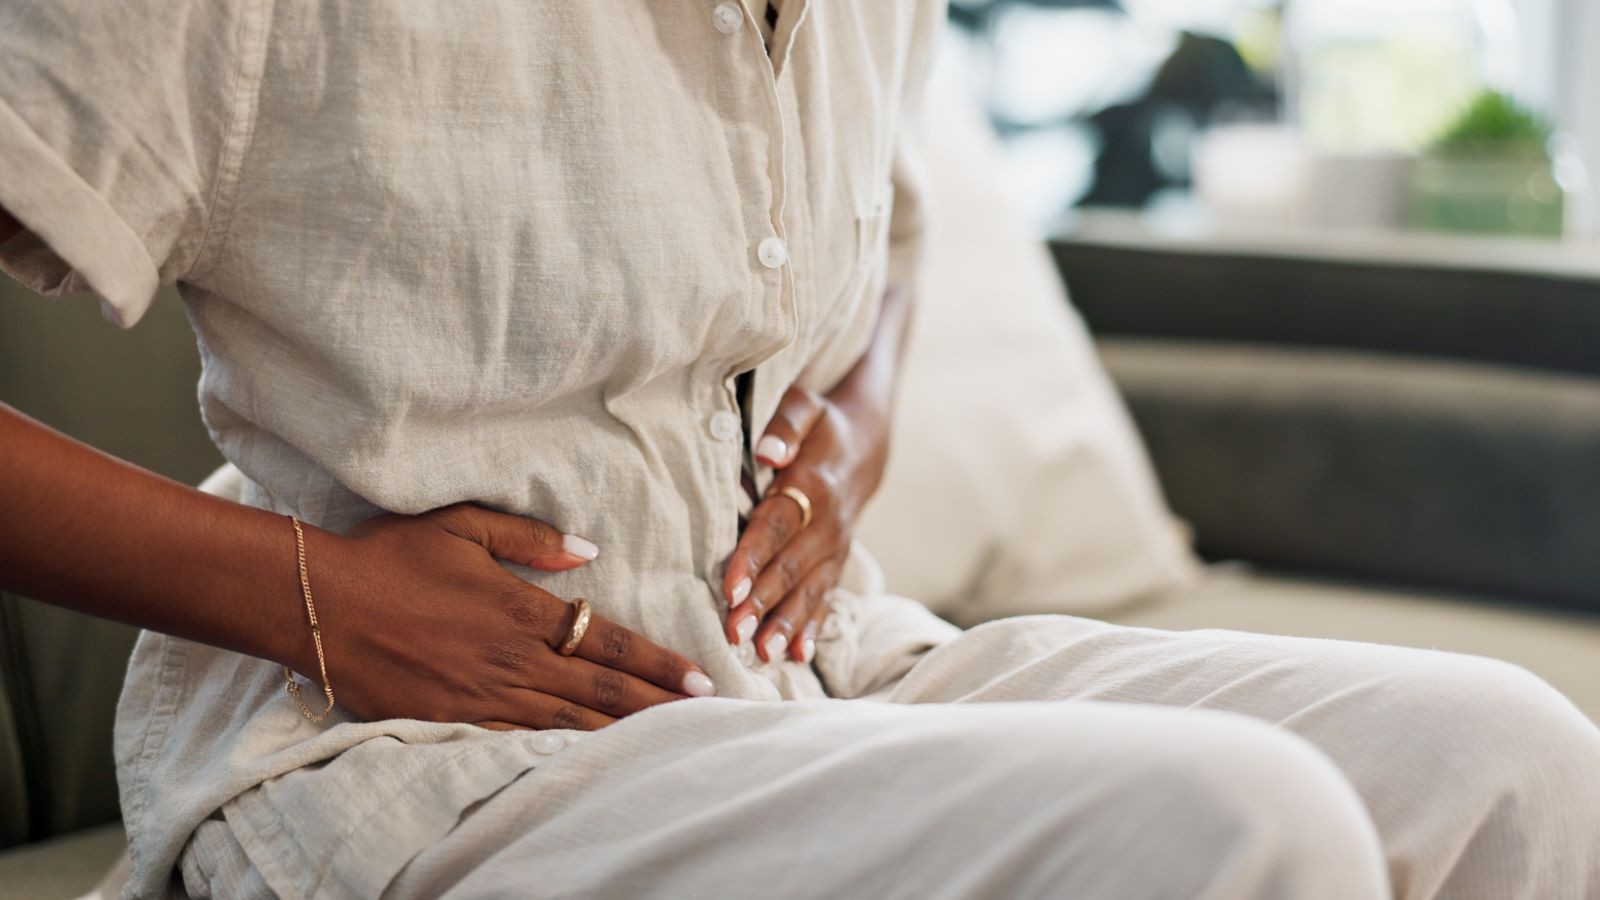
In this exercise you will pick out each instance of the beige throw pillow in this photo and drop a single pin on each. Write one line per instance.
(1016, 482)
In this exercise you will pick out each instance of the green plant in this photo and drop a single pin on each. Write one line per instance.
(1495, 123)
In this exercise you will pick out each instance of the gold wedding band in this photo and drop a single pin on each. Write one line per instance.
(799, 496)
(580, 626)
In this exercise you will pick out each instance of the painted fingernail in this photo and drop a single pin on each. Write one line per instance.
(808, 649)
(775, 647)
(741, 591)
(579, 547)
(746, 629)
(698, 684)
(772, 449)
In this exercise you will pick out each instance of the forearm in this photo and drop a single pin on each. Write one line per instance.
(85, 531)
(870, 383)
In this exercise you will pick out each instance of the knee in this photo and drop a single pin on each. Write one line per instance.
(1279, 818)
(1229, 806)
(1497, 727)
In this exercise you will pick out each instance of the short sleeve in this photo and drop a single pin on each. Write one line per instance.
(907, 222)
(119, 125)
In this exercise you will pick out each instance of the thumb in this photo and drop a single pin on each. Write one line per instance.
(517, 539)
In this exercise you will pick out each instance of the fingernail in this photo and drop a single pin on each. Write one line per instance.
(698, 684)
(579, 547)
(772, 449)
(775, 647)
(741, 591)
(746, 629)
(808, 650)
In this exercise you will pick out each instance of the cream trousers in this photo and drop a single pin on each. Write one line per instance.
(1061, 757)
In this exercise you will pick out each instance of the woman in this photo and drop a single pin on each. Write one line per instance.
(504, 307)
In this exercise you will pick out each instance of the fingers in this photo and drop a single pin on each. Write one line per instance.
(615, 647)
(796, 414)
(596, 687)
(536, 709)
(517, 539)
(502, 726)
(805, 650)
(773, 524)
(783, 631)
(778, 578)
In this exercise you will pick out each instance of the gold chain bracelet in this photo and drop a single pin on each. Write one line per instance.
(316, 636)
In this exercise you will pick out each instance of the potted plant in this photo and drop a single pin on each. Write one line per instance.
(1490, 172)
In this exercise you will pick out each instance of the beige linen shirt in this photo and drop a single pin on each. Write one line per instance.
(504, 252)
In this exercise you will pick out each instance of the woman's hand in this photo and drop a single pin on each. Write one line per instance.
(778, 583)
(419, 621)
(832, 449)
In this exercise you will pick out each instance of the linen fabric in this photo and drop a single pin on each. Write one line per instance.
(1039, 756)
(1016, 483)
(507, 253)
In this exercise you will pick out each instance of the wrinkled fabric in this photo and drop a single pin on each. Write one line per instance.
(1042, 756)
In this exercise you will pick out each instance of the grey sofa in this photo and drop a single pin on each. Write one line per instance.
(1398, 453)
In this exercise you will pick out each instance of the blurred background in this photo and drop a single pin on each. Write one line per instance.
(1478, 116)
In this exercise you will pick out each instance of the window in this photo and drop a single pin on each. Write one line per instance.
(1104, 103)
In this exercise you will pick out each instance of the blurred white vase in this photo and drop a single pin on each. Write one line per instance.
(1253, 174)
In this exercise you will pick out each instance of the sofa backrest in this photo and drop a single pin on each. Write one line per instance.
(1428, 424)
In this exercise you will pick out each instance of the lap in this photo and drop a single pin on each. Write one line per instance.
(823, 798)
(1100, 729)
(1021, 756)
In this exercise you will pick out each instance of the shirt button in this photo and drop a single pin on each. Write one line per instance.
(724, 425)
(547, 742)
(727, 17)
(773, 252)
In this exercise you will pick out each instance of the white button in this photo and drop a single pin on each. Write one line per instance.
(547, 742)
(773, 252)
(727, 17)
(724, 425)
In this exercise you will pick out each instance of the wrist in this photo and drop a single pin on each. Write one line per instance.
(292, 644)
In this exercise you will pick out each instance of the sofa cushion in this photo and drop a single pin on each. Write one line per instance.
(68, 866)
(1453, 475)
(1563, 648)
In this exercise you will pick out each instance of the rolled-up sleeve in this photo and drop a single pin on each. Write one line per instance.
(120, 124)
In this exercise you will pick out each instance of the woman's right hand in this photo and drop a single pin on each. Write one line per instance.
(420, 622)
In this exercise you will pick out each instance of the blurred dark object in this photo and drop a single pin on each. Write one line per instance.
(1203, 78)
(1143, 143)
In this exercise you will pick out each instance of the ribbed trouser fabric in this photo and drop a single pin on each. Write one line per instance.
(1060, 757)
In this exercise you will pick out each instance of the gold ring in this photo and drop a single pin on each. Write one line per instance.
(799, 496)
(580, 626)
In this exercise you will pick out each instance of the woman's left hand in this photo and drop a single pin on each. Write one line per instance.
(781, 576)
